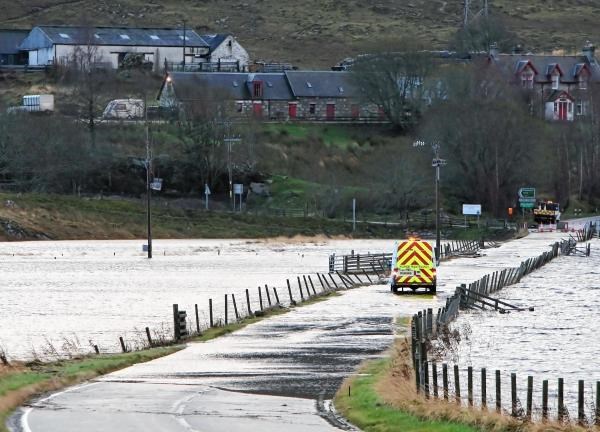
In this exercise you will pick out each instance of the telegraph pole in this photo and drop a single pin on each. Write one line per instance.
(148, 191)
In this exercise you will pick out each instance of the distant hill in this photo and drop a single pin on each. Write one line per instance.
(318, 33)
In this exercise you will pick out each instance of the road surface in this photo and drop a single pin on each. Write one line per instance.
(273, 375)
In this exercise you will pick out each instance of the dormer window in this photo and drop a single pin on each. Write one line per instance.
(527, 79)
(555, 81)
(258, 89)
(583, 81)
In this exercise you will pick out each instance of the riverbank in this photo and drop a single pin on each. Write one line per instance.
(67, 217)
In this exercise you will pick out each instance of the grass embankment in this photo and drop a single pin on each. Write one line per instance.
(381, 397)
(21, 382)
(63, 217)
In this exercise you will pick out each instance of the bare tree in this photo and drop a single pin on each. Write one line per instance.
(395, 81)
(481, 33)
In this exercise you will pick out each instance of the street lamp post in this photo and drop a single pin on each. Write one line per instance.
(437, 162)
(148, 189)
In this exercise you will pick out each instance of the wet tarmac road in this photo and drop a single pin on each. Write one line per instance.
(273, 375)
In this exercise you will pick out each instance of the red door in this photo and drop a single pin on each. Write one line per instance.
(562, 110)
(330, 113)
(355, 112)
(292, 110)
(257, 109)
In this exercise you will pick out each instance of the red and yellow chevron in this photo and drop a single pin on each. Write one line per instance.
(414, 263)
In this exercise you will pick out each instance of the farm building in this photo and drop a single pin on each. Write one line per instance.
(50, 45)
(290, 95)
(10, 54)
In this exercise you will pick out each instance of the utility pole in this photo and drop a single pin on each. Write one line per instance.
(184, 44)
(148, 190)
(437, 163)
(229, 140)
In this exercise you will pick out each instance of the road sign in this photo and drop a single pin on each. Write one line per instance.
(238, 188)
(472, 209)
(156, 184)
(206, 190)
(438, 162)
(527, 192)
(527, 205)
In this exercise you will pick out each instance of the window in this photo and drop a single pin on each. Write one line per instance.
(240, 107)
(64, 36)
(582, 108)
(341, 89)
(186, 38)
(125, 37)
(312, 108)
(258, 89)
(527, 79)
(555, 81)
(96, 35)
(154, 37)
(121, 107)
(309, 85)
(582, 78)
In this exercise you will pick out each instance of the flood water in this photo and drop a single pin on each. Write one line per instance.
(96, 291)
(560, 339)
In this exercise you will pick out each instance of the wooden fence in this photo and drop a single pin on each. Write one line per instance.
(443, 386)
(426, 325)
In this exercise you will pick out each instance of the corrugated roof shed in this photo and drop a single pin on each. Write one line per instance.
(214, 40)
(43, 36)
(11, 39)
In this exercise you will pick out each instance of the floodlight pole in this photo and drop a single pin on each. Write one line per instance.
(437, 203)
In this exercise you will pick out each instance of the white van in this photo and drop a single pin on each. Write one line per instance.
(124, 109)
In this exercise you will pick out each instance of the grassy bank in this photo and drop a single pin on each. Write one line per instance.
(382, 397)
(20, 382)
(63, 217)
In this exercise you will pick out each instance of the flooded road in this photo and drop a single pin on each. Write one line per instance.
(275, 374)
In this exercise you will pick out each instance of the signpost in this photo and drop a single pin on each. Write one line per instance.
(156, 184)
(527, 198)
(238, 190)
(472, 210)
(206, 194)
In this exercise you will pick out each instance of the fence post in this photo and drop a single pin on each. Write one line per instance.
(210, 313)
(498, 392)
(457, 384)
(561, 405)
(175, 322)
(598, 399)
(248, 302)
(434, 377)
(197, 319)
(148, 336)
(529, 396)
(276, 296)
(123, 346)
(300, 288)
(483, 389)
(544, 400)
(290, 292)
(513, 394)
(312, 285)
(260, 298)
(470, 385)
(426, 378)
(445, 380)
(268, 295)
(226, 317)
(580, 406)
(237, 316)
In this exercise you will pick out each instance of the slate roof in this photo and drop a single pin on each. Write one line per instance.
(570, 66)
(214, 40)
(321, 84)
(11, 39)
(191, 85)
(43, 36)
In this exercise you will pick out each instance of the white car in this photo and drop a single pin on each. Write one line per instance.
(124, 109)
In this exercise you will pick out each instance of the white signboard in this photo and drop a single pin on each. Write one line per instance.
(238, 188)
(472, 209)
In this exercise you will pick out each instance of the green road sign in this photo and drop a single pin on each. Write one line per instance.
(528, 192)
(527, 205)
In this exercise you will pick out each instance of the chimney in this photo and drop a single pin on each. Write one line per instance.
(589, 51)
(494, 51)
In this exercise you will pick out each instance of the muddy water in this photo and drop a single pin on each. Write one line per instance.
(561, 338)
(81, 291)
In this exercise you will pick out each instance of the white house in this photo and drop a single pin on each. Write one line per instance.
(225, 48)
(47, 45)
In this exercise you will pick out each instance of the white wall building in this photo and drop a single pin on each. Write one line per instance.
(48, 45)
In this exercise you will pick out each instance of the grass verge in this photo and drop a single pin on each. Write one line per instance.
(19, 383)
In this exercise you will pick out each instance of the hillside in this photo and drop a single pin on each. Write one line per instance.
(318, 33)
